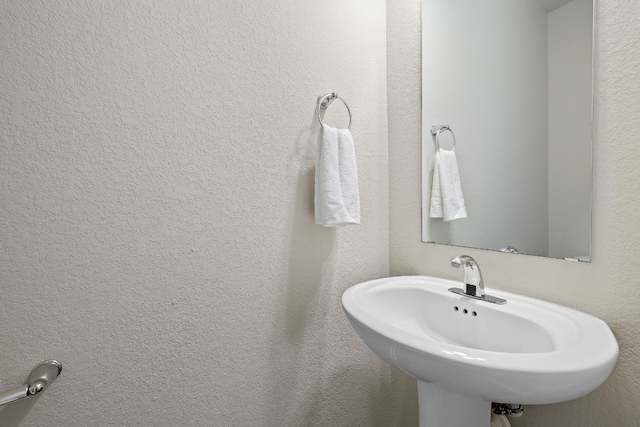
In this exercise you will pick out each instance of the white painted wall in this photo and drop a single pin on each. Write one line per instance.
(608, 286)
(499, 117)
(570, 59)
(156, 213)
(156, 223)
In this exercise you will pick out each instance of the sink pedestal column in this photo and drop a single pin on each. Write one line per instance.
(442, 408)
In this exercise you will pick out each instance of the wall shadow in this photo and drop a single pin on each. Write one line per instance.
(14, 413)
(300, 296)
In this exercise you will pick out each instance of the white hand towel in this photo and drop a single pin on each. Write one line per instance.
(337, 198)
(447, 201)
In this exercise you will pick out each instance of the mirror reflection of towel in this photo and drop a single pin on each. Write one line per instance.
(447, 201)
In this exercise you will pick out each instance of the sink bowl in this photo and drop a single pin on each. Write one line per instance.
(467, 353)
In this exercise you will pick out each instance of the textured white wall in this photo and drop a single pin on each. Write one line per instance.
(570, 89)
(485, 74)
(156, 227)
(608, 287)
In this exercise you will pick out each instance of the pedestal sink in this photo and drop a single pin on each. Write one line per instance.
(466, 353)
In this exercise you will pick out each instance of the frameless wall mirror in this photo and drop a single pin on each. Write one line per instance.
(513, 81)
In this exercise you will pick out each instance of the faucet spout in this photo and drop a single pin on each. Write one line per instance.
(473, 283)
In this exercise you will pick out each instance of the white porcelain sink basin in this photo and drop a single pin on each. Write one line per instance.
(469, 353)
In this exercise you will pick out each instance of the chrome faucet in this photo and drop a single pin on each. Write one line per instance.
(473, 283)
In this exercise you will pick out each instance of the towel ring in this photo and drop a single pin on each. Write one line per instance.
(437, 130)
(325, 100)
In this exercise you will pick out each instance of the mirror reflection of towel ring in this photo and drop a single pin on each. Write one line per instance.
(325, 100)
(437, 130)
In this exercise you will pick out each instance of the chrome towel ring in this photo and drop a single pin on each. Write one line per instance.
(40, 378)
(325, 100)
(437, 130)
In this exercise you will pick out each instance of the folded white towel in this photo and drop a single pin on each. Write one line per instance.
(337, 199)
(447, 201)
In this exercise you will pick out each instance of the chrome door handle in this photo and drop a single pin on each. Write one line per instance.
(40, 378)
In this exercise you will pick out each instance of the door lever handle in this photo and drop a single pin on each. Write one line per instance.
(39, 379)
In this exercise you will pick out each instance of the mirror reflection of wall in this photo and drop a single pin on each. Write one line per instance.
(513, 80)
